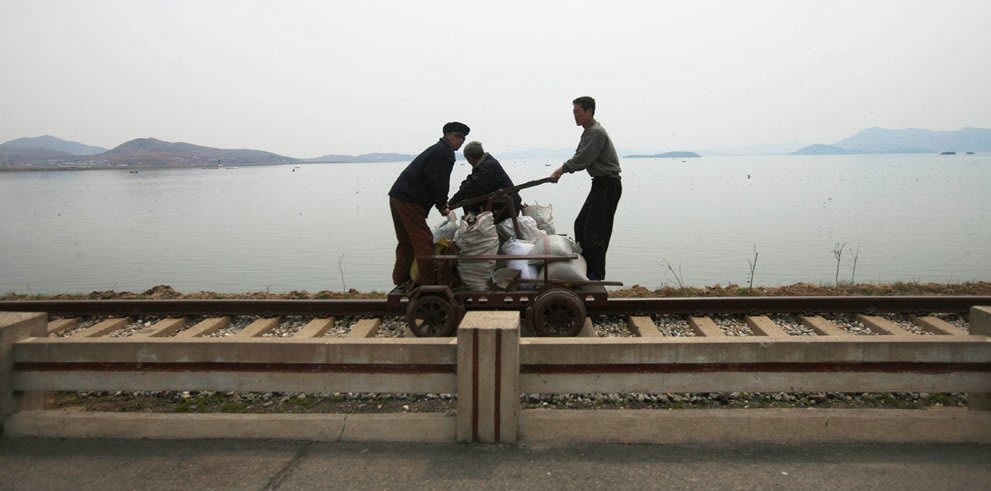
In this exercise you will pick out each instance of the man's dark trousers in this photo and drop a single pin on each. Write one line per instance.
(593, 227)
(415, 239)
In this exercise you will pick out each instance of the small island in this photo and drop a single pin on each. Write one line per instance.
(947, 153)
(666, 155)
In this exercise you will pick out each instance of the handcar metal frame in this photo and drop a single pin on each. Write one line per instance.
(550, 307)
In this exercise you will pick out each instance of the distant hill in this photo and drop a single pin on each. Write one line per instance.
(363, 158)
(154, 152)
(820, 149)
(914, 140)
(141, 152)
(665, 155)
(43, 149)
(52, 144)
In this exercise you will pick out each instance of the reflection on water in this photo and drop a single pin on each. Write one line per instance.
(914, 217)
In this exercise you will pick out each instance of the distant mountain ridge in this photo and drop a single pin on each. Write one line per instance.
(908, 140)
(49, 152)
(665, 155)
(44, 147)
(363, 158)
(819, 149)
(155, 152)
(49, 142)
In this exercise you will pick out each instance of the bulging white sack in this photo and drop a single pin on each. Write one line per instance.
(446, 229)
(543, 215)
(555, 245)
(574, 270)
(516, 247)
(528, 228)
(504, 277)
(477, 239)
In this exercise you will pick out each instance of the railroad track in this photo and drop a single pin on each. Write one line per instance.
(640, 347)
(645, 317)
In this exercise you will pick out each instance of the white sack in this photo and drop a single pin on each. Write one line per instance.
(574, 270)
(543, 215)
(528, 228)
(477, 239)
(555, 245)
(446, 229)
(516, 247)
(504, 277)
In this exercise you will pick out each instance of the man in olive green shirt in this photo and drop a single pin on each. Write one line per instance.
(596, 155)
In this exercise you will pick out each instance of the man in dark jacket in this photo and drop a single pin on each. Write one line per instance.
(487, 176)
(424, 183)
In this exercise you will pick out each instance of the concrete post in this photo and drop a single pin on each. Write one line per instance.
(980, 325)
(488, 377)
(15, 326)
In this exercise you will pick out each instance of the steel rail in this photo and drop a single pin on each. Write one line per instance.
(793, 305)
(200, 307)
(614, 306)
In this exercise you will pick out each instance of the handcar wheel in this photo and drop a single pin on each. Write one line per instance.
(432, 316)
(558, 312)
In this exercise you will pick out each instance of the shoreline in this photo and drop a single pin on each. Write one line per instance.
(635, 291)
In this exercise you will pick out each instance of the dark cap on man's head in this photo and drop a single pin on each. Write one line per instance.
(456, 127)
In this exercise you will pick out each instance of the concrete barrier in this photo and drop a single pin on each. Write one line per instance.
(488, 377)
(236, 364)
(15, 326)
(756, 364)
(488, 366)
(980, 324)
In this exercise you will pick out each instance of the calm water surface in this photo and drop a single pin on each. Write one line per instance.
(327, 226)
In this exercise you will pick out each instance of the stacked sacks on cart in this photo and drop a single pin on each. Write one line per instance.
(537, 242)
(478, 235)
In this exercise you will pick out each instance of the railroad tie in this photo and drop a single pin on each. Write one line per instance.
(883, 326)
(60, 325)
(764, 326)
(366, 328)
(704, 326)
(822, 326)
(205, 327)
(587, 330)
(315, 328)
(101, 328)
(258, 327)
(644, 326)
(162, 328)
(938, 326)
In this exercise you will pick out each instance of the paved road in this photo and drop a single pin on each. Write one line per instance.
(212, 464)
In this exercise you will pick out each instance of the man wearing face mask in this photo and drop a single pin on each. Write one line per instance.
(423, 184)
(597, 155)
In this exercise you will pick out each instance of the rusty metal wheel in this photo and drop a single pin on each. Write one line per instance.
(432, 316)
(558, 312)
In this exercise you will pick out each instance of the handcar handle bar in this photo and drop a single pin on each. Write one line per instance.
(500, 193)
(500, 257)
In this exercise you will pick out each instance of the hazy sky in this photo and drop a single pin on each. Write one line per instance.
(310, 78)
